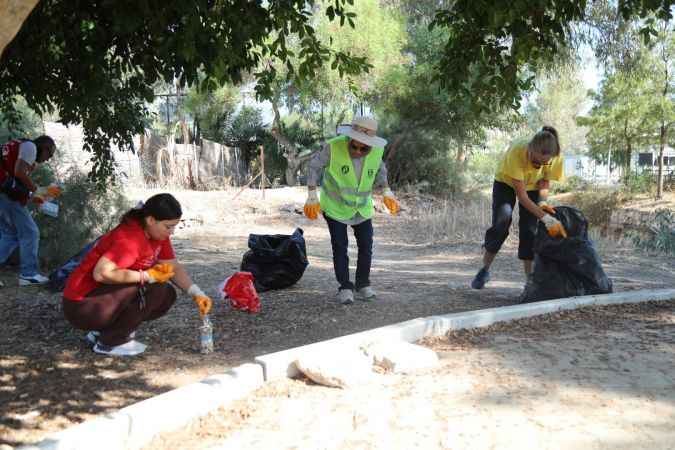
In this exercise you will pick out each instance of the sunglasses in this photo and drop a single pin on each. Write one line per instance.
(358, 147)
(541, 161)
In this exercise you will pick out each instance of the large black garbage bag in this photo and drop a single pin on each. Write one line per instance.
(566, 267)
(276, 261)
(57, 279)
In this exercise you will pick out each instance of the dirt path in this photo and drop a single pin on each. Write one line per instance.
(49, 379)
(595, 378)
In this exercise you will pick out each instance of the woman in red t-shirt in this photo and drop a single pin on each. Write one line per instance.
(123, 281)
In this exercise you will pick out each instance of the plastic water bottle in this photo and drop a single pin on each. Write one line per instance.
(206, 336)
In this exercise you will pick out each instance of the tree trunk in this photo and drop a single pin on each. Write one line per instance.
(289, 174)
(394, 146)
(290, 150)
(14, 13)
(629, 154)
(662, 146)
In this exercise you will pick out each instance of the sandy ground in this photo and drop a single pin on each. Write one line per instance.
(596, 378)
(50, 380)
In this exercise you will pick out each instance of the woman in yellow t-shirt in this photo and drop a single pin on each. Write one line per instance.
(524, 174)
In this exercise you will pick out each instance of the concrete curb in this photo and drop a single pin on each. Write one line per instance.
(134, 426)
(280, 364)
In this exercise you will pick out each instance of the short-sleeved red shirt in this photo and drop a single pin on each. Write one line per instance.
(127, 246)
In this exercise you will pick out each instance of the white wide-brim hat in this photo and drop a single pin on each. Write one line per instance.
(362, 129)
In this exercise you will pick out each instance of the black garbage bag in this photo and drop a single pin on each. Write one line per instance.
(566, 267)
(276, 261)
(57, 279)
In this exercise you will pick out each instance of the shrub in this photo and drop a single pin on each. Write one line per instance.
(660, 236)
(570, 184)
(639, 183)
(85, 213)
(597, 205)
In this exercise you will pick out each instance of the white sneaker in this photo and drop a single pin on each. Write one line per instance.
(345, 296)
(92, 337)
(130, 348)
(33, 280)
(366, 294)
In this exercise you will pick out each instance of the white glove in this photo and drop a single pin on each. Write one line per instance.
(195, 290)
(550, 221)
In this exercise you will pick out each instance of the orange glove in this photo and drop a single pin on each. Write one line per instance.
(547, 208)
(312, 206)
(37, 199)
(390, 202)
(554, 227)
(202, 300)
(54, 191)
(160, 273)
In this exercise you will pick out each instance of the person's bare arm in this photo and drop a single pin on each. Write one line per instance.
(107, 272)
(21, 171)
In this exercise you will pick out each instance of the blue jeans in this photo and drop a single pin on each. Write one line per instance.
(364, 241)
(18, 229)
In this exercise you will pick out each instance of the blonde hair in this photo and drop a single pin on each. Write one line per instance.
(545, 142)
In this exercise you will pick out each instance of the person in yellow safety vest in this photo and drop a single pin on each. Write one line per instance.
(351, 165)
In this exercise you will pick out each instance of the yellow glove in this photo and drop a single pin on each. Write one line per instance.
(554, 227)
(547, 208)
(202, 300)
(390, 202)
(312, 206)
(160, 273)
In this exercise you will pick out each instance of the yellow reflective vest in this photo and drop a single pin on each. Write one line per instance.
(342, 195)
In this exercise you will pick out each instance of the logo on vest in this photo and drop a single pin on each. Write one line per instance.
(344, 170)
(371, 172)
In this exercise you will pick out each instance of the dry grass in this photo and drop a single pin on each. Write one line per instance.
(610, 245)
(434, 220)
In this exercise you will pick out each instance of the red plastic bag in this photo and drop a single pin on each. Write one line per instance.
(241, 292)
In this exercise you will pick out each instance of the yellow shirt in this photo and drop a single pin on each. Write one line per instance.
(517, 166)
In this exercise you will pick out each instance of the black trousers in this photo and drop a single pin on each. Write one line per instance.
(363, 233)
(503, 202)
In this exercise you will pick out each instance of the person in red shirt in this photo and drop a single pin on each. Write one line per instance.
(18, 159)
(123, 280)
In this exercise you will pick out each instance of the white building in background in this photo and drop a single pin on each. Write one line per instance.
(650, 160)
(588, 169)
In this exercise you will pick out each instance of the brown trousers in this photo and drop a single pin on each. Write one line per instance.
(117, 310)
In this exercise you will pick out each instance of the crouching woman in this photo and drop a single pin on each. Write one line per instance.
(124, 279)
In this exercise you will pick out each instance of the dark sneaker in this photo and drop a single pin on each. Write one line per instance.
(92, 338)
(529, 285)
(482, 277)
